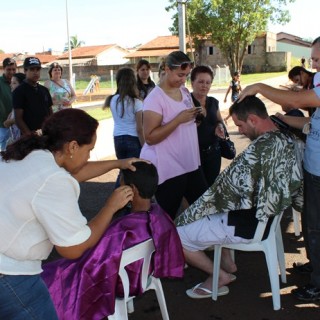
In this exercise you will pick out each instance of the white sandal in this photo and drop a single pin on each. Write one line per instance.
(192, 294)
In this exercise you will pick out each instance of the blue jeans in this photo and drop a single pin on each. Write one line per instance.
(312, 222)
(25, 297)
(126, 147)
(4, 136)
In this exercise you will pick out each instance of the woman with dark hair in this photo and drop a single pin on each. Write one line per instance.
(144, 82)
(39, 208)
(61, 90)
(171, 136)
(126, 109)
(210, 123)
(10, 123)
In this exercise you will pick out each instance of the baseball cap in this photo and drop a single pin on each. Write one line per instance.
(8, 62)
(31, 62)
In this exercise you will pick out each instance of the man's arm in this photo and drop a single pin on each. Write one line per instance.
(18, 115)
(283, 97)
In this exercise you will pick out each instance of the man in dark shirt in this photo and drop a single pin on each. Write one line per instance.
(32, 102)
(9, 68)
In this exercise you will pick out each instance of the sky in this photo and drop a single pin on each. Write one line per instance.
(38, 25)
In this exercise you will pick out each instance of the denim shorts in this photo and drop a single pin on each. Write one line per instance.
(25, 297)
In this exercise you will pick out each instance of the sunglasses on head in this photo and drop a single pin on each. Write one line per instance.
(183, 65)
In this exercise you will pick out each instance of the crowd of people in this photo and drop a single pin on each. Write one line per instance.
(168, 148)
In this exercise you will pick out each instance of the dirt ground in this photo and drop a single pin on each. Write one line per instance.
(250, 295)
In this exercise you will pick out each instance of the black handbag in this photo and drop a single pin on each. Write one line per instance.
(227, 148)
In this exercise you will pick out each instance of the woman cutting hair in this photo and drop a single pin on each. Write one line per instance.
(39, 208)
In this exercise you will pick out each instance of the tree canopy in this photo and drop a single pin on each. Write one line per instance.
(230, 24)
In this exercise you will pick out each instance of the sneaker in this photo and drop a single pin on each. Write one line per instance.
(307, 293)
(303, 268)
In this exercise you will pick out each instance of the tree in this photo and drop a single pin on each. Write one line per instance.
(230, 24)
(74, 43)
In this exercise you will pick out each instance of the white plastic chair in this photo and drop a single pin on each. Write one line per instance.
(124, 305)
(296, 222)
(273, 249)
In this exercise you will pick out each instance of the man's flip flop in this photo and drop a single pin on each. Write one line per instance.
(192, 294)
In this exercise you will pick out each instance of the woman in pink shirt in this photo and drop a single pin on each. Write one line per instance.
(171, 141)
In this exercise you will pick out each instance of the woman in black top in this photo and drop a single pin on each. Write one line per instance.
(145, 84)
(210, 126)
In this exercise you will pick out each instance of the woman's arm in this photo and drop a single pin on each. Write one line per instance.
(155, 132)
(94, 169)
(73, 95)
(139, 127)
(98, 225)
(283, 97)
(294, 122)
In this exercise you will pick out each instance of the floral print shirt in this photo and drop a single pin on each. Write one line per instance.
(267, 175)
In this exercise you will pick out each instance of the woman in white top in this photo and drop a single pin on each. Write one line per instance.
(39, 208)
(126, 109)
(62, 93)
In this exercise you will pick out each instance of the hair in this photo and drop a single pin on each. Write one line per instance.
(201, 69)
(316, 40)
(176, 58)
(8, 62)
(126, 88)
(295, 71)
(236, 73)
(249, 105)
(52, 66)
(19, 76)
(60, 128)
(145, 178)
(140, 84)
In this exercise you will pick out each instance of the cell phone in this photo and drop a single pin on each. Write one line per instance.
(198, 108)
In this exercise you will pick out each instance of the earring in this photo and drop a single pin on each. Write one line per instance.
(71, 156)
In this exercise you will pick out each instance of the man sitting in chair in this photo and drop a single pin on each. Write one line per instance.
(86, 288)
(260, 182)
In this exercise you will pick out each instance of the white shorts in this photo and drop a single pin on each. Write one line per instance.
(208, 231)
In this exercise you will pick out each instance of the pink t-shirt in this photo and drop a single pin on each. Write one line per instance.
(179, 152)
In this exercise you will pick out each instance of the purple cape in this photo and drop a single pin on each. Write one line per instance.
(86, 288)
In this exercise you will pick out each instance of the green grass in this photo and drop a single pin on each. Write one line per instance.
(99, 114)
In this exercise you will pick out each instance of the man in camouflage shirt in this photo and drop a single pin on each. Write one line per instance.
(260, 182)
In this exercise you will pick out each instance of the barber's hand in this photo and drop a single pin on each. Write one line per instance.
(251, 90)
(127, 163)
(119, 198)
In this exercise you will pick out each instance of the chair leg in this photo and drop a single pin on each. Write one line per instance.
(120, 311)
(130, 306)
(296, 222)
(272, 263)
(157, 286)
(280, 255)
(215, 272)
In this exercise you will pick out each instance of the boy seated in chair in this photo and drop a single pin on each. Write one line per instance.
(260, 182)
(87, 287)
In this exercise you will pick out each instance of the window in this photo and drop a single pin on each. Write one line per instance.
(210, 51)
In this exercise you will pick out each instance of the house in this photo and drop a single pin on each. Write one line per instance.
(45, 58)
(155, 49)
(102, 55)
(296, 45)
(258, 57)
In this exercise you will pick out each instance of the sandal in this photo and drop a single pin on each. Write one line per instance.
(192, 294)
(303, 268)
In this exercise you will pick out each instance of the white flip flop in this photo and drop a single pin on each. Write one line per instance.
(192, 294)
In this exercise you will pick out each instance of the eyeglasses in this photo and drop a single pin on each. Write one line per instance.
(183, 65)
